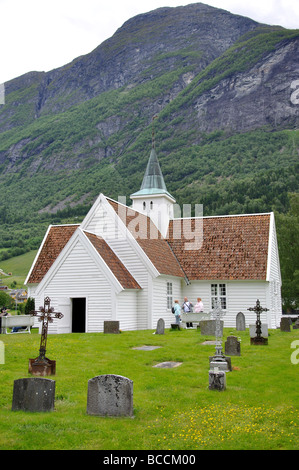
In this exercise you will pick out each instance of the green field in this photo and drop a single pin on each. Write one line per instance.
(173, 408)
(19, 267)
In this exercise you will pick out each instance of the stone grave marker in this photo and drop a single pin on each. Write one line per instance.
(33, 394)
(168, 365)
(232, 346)
(217, 380)
(111, 327)
(264, 330)
(208, 327)
(110, 395)
(147, 348)
(296, 324)
(285, 324)
(160, 327)
(240, 322)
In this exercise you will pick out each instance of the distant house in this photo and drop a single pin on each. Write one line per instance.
(131, 263)
(19, 295)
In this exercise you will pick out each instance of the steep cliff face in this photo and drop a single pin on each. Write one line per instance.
(141, 50)
(262, 96)
(200, 69)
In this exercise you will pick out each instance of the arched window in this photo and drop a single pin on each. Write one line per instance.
(144, 205)
(151, 205)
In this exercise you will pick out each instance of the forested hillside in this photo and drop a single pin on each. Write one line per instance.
(223, 88)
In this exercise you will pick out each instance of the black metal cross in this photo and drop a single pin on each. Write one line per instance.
(258, 310)
(44, 315)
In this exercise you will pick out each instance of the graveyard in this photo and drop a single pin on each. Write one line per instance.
(173, 407)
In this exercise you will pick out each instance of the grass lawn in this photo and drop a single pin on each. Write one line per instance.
(19, 267)
(173, 408)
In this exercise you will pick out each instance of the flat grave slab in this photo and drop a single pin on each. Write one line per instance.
(147, 348)
(168, 365)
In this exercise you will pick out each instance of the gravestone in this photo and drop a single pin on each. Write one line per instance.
(111, 327)
(223, 363)
(110, 395)
(33, 394)
(285, 324)
(147, 348)
(160, 327)
(240, 322)
(217, 380)
(264, 330)
(232, 346)
(168, 365)
(208, 327)
(296, 324)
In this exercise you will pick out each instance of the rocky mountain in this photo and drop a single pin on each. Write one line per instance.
(223, 88)
(144, 48)
(262, 94)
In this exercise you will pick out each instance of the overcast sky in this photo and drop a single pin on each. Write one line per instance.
(42, 35)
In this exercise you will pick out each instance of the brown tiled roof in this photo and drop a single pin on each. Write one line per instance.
(156, 248)
(233, 248)
(119, 270)
(56, 240)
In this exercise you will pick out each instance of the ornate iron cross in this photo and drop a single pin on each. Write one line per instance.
(217, 313)
(44, 315)
(258, 310)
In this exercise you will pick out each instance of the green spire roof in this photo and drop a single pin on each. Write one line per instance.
(153, 181)
(153, 178)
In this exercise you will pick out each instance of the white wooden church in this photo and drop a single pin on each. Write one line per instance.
(131, 263)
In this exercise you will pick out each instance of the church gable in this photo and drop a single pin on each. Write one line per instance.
(55, 240)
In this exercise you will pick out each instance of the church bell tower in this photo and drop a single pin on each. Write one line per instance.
(153, 199)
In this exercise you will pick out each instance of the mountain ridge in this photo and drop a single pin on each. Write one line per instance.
(194, 71)
(124, 57)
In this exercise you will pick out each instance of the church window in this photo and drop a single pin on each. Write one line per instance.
(144, 205)
(218, 294)
(169, 295)
(151, 205)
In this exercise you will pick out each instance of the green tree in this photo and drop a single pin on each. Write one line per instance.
(6, 300)
(30, 305)
(288, 243)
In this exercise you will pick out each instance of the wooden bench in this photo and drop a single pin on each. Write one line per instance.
(25, 321)
(193, 318)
